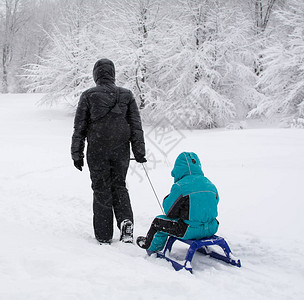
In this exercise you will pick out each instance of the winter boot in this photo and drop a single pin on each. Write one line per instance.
(141, 242)
(126, 231)
(104, 242)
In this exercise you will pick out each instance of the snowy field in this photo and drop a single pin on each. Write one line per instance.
(47, 246)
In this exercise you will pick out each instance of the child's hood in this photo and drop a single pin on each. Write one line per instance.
(187, 163)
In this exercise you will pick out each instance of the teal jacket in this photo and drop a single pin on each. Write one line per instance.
(193, 197)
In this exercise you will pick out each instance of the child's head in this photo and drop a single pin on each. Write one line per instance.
(187, 163)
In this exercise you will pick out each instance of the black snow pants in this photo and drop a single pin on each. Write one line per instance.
(108, 169)
(161, 228)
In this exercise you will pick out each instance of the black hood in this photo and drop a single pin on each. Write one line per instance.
(104, 71)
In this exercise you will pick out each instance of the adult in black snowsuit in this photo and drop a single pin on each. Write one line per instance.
(108, 117)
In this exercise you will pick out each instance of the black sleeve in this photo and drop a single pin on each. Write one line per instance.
(137, 134)
(176, 205)
(81, 122)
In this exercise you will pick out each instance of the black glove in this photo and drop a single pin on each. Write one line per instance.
(78, 164)
(141, 159)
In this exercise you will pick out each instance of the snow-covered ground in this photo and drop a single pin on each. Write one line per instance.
(47, 247)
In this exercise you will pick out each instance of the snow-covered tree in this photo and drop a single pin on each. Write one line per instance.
(193, 63)
(13, 17)
(32, 41)
(262, 12)
(65, 70)
(186, 65)
(282, 79)
(136, 30)
(205, 65)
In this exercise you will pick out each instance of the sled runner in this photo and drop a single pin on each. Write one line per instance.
(200, 246)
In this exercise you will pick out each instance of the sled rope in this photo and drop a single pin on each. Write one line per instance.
(153, 189)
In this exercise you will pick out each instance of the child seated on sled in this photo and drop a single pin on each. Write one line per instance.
(190, 208)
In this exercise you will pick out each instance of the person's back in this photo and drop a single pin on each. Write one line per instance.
(107, 115)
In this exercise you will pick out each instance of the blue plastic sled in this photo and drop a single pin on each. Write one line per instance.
(200, 246)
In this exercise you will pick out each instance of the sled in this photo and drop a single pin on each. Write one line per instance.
(200, 246)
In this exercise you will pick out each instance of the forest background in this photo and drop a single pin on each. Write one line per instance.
(190, 63)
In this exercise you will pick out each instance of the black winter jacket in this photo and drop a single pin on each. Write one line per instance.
(106, 116)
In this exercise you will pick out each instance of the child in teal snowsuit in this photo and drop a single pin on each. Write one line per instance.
(190, 208)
